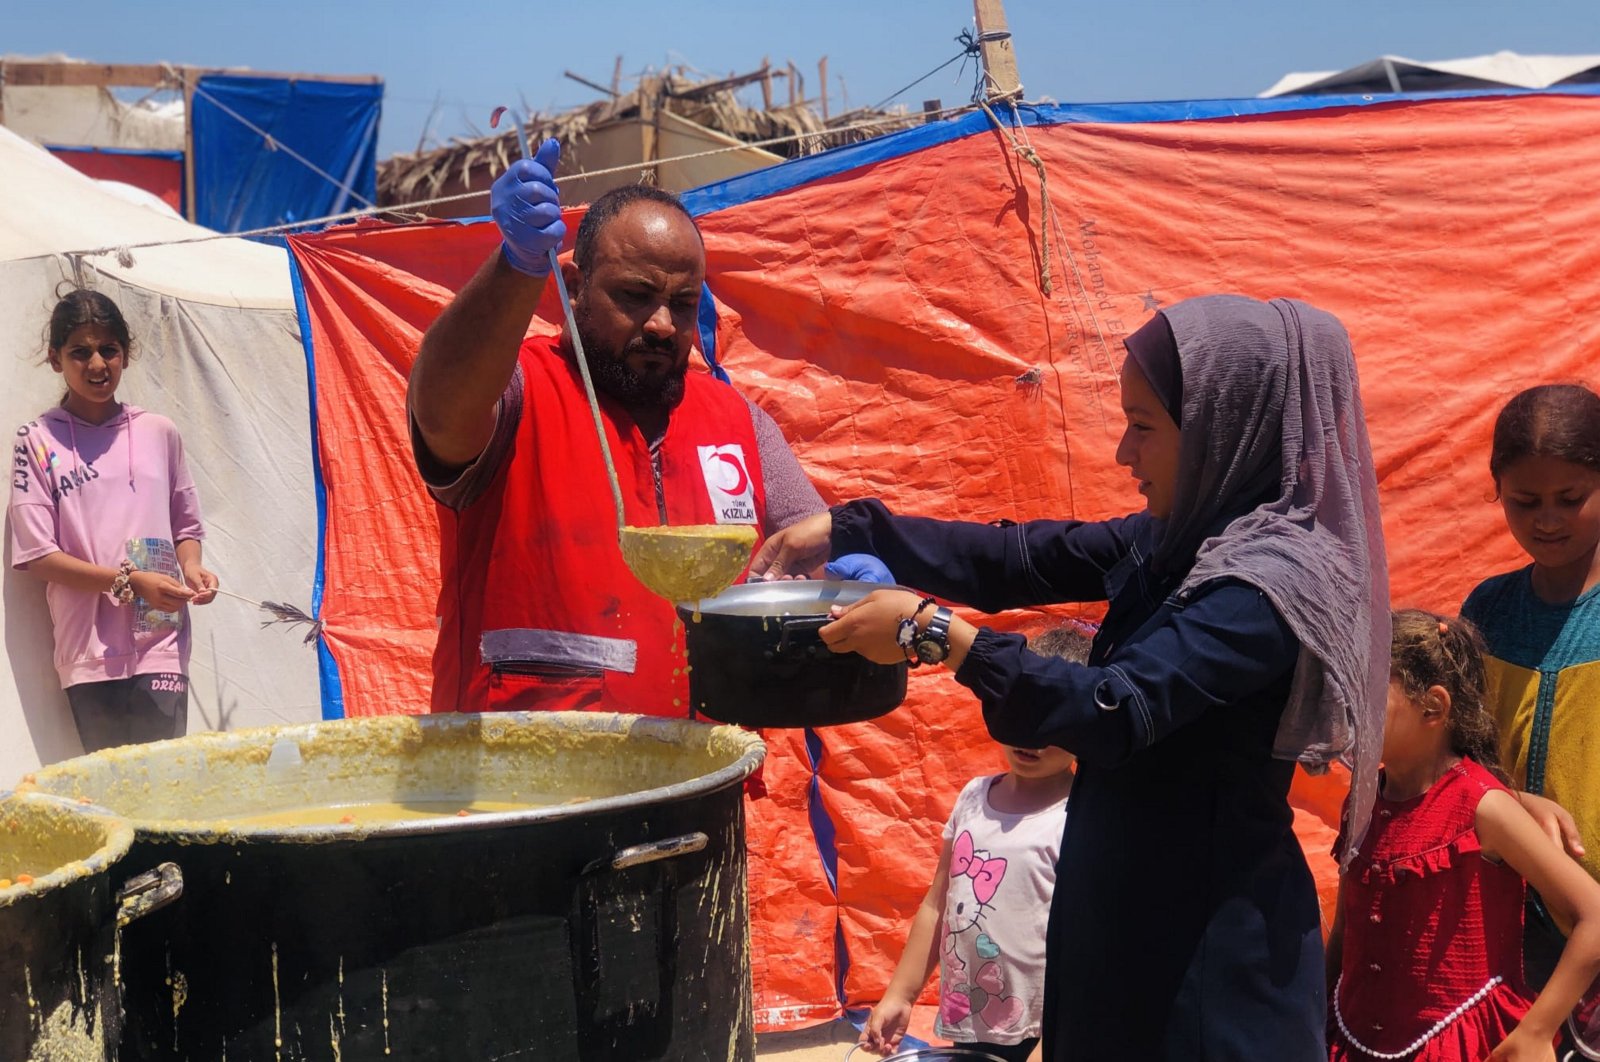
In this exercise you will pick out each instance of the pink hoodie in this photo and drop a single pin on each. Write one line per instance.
(101, 493)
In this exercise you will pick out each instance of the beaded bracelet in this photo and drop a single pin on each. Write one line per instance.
(905, 634)
(122, 585)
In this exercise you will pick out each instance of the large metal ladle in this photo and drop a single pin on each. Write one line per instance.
(683, 563)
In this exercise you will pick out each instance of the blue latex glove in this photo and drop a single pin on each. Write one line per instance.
(526, 207)
(862, 567)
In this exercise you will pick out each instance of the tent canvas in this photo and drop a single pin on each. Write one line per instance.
(928, 329)
(1394, 73)
(217, 349)
(254, 150)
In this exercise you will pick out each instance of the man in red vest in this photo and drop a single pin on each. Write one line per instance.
(537, 608)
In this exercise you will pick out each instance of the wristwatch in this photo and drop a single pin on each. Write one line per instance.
(932, 644)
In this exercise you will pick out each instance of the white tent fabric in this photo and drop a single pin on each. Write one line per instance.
(49, 208)
(1393, 73)
(217, 349)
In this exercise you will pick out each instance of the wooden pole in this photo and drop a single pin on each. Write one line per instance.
(999, 58)
(794, 79)
(190, 76)
(616, 78)
(930, 111)
(650, 93)
(822, 75)
(766, 83)
(586, 83)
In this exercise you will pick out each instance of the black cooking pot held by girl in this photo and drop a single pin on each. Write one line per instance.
(756, 659)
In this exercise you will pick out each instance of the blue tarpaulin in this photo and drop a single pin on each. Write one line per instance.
(274, 150)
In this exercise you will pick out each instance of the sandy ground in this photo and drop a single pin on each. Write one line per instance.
(832, 1041)
(820, 1043)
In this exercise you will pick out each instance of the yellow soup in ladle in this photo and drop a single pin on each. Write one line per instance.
(690, 562)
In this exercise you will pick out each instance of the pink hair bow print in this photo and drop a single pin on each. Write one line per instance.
(985, 873)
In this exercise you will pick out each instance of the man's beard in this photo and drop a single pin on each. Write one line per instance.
(612, 375)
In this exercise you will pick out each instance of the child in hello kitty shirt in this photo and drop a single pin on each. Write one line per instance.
(982, 920)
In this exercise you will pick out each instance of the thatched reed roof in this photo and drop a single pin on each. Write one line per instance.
(472, 164)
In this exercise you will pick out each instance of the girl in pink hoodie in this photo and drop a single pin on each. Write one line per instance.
(103, 510)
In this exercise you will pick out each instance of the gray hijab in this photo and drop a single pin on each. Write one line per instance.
(1274, 446)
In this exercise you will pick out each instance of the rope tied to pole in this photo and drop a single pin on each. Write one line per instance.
(1030, 156)
(414, 209)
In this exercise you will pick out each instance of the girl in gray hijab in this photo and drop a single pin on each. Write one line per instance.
(1246, 630)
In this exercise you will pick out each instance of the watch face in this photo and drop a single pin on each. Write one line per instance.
(931, 652)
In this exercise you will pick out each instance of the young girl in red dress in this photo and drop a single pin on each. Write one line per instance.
(1426, 953)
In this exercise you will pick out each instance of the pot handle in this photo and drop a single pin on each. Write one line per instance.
(148, 892)
(801, 625)
(615, 1010)
(651, 851)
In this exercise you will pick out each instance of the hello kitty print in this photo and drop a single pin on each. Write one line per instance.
(1002, 873)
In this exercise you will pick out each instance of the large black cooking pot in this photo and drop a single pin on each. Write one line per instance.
(756, 659)
(609, 925)
(58, 980)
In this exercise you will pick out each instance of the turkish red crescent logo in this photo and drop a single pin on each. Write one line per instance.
(741, 478)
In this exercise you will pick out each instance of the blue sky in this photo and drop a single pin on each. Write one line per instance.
(471, 56)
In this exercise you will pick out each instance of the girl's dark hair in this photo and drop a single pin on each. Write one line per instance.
(1069, 640)
(82, 307)
(1554, 420)
(1430, 650)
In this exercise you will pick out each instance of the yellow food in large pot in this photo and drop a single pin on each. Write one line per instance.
(371, 813)
(49, 841)
(223, 786)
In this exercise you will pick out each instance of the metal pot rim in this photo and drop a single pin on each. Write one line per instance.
(665, 730)
(117, 840)
(784, 597)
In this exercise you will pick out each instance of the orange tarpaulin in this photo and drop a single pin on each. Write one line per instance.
(888, 304)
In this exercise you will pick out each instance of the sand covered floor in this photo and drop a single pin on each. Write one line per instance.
(819, 1043)
(830, 1042)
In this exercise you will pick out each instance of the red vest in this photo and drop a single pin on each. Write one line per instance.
(537, 609)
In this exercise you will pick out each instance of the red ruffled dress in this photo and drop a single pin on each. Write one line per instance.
(1432, 965)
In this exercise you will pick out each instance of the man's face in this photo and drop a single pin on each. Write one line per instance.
(636, 308)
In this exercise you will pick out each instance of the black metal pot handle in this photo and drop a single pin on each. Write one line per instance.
(148, 892)
(651, 1025)
(800, 625)
(651, 851)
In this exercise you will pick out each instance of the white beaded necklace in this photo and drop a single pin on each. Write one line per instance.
(1416, 1045)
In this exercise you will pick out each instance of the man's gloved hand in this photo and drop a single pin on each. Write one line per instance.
(527, 209)
(862, 567)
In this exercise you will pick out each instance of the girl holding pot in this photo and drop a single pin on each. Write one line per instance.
(1247, 629)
